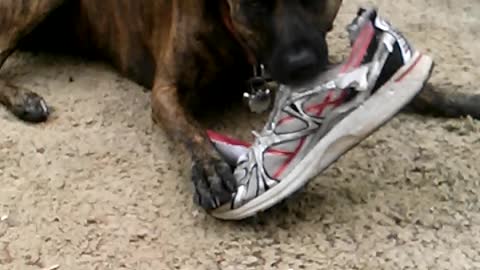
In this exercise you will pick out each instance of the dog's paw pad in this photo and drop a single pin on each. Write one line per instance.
(31, 108)
(214, 184)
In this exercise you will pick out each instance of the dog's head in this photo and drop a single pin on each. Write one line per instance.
(287, 36)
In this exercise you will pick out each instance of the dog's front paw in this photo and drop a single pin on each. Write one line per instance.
(214, 183)
(30, 107)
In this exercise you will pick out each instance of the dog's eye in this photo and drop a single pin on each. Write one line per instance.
(251, 3)
(317, 4)
(257, 5)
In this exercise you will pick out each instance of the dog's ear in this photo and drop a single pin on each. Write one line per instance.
(333, 6)
(227, 10)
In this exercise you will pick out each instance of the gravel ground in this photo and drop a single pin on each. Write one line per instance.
(98, 187)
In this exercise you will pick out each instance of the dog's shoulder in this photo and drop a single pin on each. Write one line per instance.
(183, 40)
(205, 51)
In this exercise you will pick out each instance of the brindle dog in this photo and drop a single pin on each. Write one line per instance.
(180, 49)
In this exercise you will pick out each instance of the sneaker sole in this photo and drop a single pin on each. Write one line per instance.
(383, 105)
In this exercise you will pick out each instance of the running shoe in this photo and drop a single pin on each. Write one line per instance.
(313, 125)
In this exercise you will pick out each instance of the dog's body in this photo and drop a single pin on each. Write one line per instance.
(176, 48)
(142, 38)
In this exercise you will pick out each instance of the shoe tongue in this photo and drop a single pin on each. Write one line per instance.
(360, 47)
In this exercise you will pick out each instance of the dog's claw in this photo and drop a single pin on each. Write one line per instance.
(214, 184)
(31, 107)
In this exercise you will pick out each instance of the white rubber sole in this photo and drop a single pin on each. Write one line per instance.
(384, 104)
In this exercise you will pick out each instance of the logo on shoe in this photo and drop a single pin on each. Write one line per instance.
(405, 47)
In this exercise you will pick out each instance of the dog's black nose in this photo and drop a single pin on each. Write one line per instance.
(301, 64)
(300, 59)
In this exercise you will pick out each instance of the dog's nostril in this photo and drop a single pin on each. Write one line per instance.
(300, 59)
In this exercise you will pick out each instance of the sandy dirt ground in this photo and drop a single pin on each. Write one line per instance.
(98, 187)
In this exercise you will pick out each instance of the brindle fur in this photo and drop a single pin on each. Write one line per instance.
(180, 49)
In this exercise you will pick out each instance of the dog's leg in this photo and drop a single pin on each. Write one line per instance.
(212, 177)
(17, 19)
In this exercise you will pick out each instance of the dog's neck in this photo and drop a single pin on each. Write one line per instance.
(258, 68)
(227, 20)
